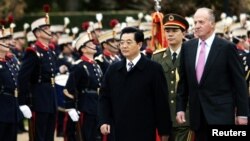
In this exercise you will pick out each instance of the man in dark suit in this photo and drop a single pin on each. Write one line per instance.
(212, 77)
(136, 109)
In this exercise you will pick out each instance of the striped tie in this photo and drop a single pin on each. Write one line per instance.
(130, 64)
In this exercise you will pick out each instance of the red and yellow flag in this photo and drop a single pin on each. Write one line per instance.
(158, 35)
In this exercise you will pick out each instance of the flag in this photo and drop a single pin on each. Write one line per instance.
(158, 35)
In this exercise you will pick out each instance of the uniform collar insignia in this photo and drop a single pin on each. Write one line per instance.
(86, 59)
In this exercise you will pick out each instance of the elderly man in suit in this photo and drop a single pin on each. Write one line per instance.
(212, 77)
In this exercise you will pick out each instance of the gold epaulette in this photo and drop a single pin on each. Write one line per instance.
(99, 58)
(248, 73)
(159, 50)
(77, 62)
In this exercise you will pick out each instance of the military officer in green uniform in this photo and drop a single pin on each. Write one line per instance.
(175, 28)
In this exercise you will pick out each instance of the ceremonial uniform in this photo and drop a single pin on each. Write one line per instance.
(82, 88)
(36, 76)
(64, 63)
(105, 59)
(10, 112)
(169, 58)
(87, 75)
(110, 54)
(164, 57)
(242, 44)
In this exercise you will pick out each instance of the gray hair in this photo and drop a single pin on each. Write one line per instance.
(210, 13)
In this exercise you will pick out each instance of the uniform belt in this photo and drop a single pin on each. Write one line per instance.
(92, 91)
(51, 81)
(14, 93)
(89, 91)
(9, 94)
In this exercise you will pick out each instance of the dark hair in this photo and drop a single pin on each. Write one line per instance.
(139, 36)
(62, 46)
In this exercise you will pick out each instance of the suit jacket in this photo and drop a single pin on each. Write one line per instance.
(222, 87)
(170, 70)
(135, 101)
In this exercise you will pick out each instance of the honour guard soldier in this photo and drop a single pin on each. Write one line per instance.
(175, 28)
(31, 39)
(242, 44)
(241, 40)
(64, 64)
(82, 87)
(110, 50)
(10, 110)
(37, 76)
(20, 42)
(15, 54)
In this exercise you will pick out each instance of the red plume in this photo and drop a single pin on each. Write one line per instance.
(113, 23)
(10, 19)
(85, 25)
(46, 8)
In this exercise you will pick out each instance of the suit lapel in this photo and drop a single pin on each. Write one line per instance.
(192, 59)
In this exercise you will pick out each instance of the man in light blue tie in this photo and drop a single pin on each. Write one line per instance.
(212, 79)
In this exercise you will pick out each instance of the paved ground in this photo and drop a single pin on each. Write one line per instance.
(25, 137)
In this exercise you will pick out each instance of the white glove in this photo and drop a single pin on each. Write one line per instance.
(63, 69)
(26, 111)
(73, 114)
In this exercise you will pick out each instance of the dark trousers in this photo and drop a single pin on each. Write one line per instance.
(111, 136)
(202, 133)
(44, 126)
(249, 110)
(8, 131)
(89, 130)
(59, 123)
(69, 129)
(181, 133)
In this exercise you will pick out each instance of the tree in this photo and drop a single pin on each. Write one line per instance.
(13, 7)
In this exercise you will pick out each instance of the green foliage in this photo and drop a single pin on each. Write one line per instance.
(76, 18)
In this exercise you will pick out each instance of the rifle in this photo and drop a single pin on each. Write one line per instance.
(78, 131)
(78, 124)
(30, 121)
(31, 132)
